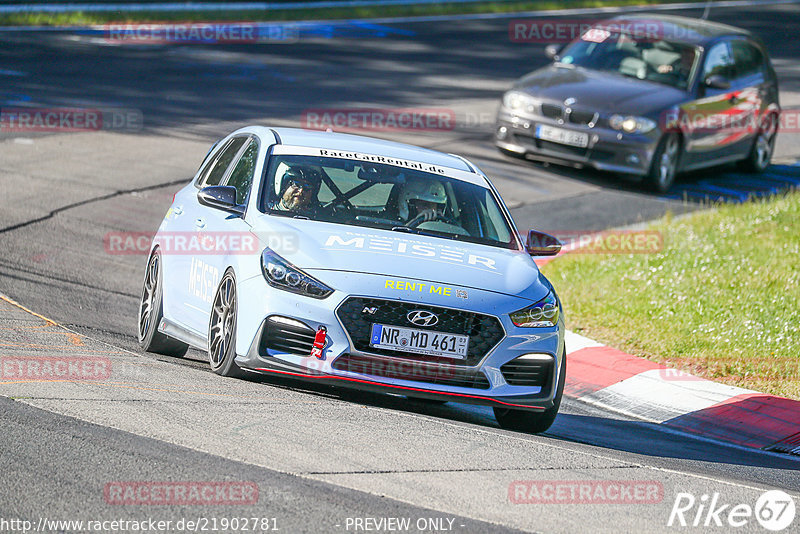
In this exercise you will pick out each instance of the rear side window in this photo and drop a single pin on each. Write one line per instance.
(215, 170)
(749, 59)
(719, 62)
(242, 175)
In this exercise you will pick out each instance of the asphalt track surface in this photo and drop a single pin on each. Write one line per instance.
(318, 455)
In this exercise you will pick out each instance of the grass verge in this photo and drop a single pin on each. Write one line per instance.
(721, 300)
(378, 11)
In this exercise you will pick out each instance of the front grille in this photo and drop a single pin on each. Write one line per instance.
(286, 335)
(484, 331)
(552, 111)
(527, 372)
(415, 371)
(582, 117)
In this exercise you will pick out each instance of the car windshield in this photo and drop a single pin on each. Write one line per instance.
(645, 58)
(372, 195)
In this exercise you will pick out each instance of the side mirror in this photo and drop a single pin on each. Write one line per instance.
(715, 81)
(551, 51)
(542, 244)
(222, 197)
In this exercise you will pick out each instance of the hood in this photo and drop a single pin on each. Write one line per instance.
(316, 247)
(600, 91)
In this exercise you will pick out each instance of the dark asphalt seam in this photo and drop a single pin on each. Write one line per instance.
(51, 277)
(90, 201)
(499, 469)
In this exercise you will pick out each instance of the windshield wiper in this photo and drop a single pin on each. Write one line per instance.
(409, 230)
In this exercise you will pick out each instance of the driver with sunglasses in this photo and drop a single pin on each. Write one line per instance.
(299, 187)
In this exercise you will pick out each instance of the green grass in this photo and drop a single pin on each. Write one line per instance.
(721, 300)
(444, 8)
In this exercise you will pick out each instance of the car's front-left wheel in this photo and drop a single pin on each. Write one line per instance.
(151, 311)
(222, 329)
(664, 166)
(529, 421)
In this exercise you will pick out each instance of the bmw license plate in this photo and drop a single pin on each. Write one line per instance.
(560, 135)
(419, 341)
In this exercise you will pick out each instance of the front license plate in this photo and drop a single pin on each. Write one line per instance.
(419, 341)
(560, 135)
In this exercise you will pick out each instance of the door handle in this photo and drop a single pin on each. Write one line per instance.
(177, 210)
(200, 223)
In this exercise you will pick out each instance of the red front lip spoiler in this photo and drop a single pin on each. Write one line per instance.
(403, 388)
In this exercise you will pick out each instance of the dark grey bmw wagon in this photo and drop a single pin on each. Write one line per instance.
(648, 96)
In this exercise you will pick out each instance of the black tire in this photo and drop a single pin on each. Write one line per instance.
(664, 166)
(533, 422)
(763, 147)
(151, 307)
(222, 329)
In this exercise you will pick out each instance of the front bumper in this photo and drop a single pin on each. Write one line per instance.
(481, 379)
(608, 149)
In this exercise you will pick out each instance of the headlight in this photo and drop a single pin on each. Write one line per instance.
(542, 314)
(631, 124)
(517, 101)
(283, 275)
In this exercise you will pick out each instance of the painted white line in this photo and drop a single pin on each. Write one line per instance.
(578, 11)
(212, 6)
(479, 16)
(10, 72)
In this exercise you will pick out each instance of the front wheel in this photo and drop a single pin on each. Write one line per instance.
(222, 329)
(664, 166)
(534, 422)
(151, 311)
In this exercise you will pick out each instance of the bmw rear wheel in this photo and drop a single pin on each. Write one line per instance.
(760, 154)
(151, 307)
(534, 422)
(222, 329)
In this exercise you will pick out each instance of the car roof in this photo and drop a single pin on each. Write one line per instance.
(686, 29)
(368, 145)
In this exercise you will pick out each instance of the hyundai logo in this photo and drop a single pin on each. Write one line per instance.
(422, 318)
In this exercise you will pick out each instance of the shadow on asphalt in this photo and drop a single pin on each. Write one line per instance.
(646, 439)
